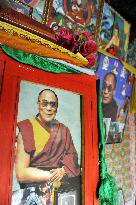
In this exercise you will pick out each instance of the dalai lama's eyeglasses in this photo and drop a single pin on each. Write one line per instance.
(52, 104)
(108, 87)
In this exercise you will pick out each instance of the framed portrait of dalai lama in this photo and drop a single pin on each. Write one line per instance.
(116, 88)
(49, 151)
(53, 117)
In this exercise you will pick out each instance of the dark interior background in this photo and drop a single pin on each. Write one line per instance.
(127, 9)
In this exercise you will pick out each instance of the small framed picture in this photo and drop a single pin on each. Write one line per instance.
(70, 194)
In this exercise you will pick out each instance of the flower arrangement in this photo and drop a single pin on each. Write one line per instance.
(81, 42)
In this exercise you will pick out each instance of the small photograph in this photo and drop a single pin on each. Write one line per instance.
(67, 198)
(70, 195)
(115, 133)
(107, 122)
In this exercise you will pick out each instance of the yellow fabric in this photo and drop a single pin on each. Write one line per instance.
(133, 99)
(41, 136)
(127, 32)
(100, 50)
(129, 68)
(23, 40)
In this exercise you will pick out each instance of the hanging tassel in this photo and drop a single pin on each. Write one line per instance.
(108, 191)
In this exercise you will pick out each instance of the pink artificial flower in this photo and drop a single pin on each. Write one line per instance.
(90, 46)
(91, 59)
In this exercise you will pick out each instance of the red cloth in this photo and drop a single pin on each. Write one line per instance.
(59, 150)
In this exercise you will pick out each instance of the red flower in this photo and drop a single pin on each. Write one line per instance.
(87, 48)
(78, 42)
(82, 50)
(91, 59)
(90, 46)
(65, 38)
(86, 35)
(64, 34)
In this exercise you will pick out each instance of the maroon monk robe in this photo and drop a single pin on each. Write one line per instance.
(59, 151)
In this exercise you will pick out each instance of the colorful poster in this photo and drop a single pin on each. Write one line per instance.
(31, 8)
(20, 7)
(73, 14)
(116, 91)
(38, 8)
(114, 33)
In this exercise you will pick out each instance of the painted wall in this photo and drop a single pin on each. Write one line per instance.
(121, 159)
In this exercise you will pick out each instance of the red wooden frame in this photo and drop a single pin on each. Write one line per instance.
(2, 66)
(82, 84)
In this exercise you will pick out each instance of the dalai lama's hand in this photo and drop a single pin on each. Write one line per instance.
(57, 174)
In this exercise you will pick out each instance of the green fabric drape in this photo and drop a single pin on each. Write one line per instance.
(37, 61)
(107, 193)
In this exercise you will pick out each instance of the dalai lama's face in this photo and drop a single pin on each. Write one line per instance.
(47, 105)
(108, 89)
